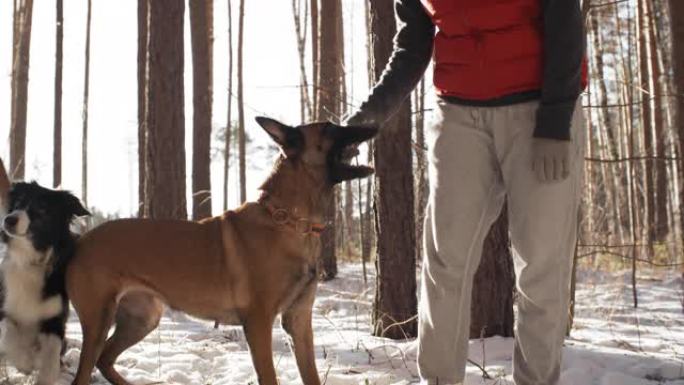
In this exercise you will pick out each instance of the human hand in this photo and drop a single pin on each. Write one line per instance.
(551, 159)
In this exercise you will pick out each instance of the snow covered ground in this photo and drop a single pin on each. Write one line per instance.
(611, 344)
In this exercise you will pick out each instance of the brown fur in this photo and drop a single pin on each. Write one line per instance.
(237, 268)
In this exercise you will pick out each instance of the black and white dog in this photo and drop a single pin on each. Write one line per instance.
(39, 243)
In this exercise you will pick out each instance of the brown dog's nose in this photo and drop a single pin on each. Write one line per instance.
(11, 221)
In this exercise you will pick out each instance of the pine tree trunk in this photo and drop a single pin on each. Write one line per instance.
(142, 81)
(329, 91)
(395, 304)
(366, 212)
(201, 31)
(59, 58)
(493, 286)
(300, 30)
(677, 26)
(346, 191)
(421, 166)
(229, 118)
(367, 217)
(610, 192)
(661, 229)
(315, 58)
(86, 94)
(647, 122)
(23, 15)
(350, 228)
(241, 106)
(165, 117)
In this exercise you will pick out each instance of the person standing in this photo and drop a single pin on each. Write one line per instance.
(508, 74)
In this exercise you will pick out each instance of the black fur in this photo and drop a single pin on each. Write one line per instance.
(50, 213)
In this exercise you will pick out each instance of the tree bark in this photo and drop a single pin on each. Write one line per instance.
(368, 232)
(59, 55)
(300, 30)
(395, 304)
(493, 286)
(165, 117)
(367, 245)
(241, 107)
(610, 196)
(86, 96)
(229, 118)
(23, 14)
(647, 122)
(201, 31)
(661, 227)
(315, 58)
(421, 166)
(329, 91)
(142, 84)
(677, 29)
(350, 228)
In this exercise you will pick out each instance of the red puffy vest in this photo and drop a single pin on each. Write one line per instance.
(486, 49)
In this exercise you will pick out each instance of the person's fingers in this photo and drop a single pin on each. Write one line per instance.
(539, 169)
(566, 168)
(557, 169)
(548, 169)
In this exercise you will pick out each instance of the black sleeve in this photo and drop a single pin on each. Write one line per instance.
(411, 56)
(564, 49)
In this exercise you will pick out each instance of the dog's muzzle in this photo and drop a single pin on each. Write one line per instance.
(11, 224)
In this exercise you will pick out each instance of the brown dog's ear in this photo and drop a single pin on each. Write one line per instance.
(346, 172)
(288, 138)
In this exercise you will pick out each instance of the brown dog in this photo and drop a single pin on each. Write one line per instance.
(242, 268)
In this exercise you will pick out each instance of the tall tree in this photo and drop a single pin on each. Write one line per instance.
(201, 31)
(492, 302)
(142, 84)
(395, 304)
(164, 115)
(23, 14)
(365, 228)
(659, 133)
(329, 93)
(229, 118)
(365, 212)
(59, 54)
(300, 24)
(241, 107)
(315, 57)
(677, 30)
(647, 119)
(86, 93)
(421, 165)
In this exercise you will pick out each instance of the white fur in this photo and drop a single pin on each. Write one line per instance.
(24, 280)
(22, 226)
(27, 350)
(24, 270)
(49, 359)
(20, 345)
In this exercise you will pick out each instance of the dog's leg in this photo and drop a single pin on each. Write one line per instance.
(96, 315)
(138, 314)
(297, 323)
(18, 345)
(258, 330)
(49, 359)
